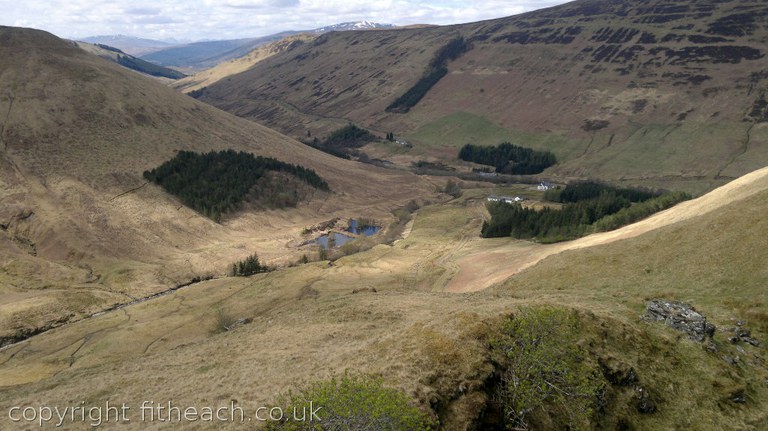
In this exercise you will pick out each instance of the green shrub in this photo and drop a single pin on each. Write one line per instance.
(452, 188)
(546, 380)
(351, 403)
(248, 266)
(223, 321)
(323, 253)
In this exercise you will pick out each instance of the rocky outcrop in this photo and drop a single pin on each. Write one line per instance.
(742, 334)
(680, 316)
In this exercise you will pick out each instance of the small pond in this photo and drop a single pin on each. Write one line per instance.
(357, 229)
(340, 239)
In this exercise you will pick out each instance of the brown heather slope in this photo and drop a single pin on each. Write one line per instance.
(80, 229)
(222, 70)
(651, 91)
(308, 323)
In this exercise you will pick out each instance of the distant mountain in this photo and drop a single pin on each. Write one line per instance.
(351, 26)
(224, 69)
(204, 55)
(129, 44)
(118, 56)
(207, 54)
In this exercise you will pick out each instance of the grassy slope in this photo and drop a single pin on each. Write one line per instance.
(81, 230)
(222, 70)
(663, 125)
(307, 324)
(716, 264)
(141, 65)
(455, 130)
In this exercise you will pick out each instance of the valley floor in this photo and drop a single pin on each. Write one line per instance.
(402, 311)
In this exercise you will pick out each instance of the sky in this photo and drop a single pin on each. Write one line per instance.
(230, 19)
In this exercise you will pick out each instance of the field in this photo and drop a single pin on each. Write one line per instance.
(407, 322)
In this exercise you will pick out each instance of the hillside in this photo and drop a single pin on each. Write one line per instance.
(164, 255)
(238, 65)
(659, 92)
(200, 56)
(82, 230)
(203, 55)
(386, 311)
(134, 63)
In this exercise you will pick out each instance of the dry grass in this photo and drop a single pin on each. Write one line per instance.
(307, 324)
(306, 321)
(77, 214)
(662, 129)
(232, 67)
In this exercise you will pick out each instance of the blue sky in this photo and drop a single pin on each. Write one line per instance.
(225, 19)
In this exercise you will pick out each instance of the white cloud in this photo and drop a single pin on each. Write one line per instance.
(223, 19)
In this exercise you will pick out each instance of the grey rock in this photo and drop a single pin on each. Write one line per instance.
(680, 316)
(742, 334)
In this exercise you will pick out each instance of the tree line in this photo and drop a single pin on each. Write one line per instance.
(508, 158)
(590, 207)
(436, 70)
(586, 190)
(216, 183)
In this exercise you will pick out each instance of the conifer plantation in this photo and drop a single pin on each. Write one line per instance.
(589, 207)
(216, 183)
(508, 158)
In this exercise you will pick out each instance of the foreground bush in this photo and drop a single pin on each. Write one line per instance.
(546, 377)
(352, 403)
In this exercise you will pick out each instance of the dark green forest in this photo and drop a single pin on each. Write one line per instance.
(587, 190)
(589, 207)
(343, 142)
(436, 70)
(216, 183)
(349, 136)
(508, 158)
